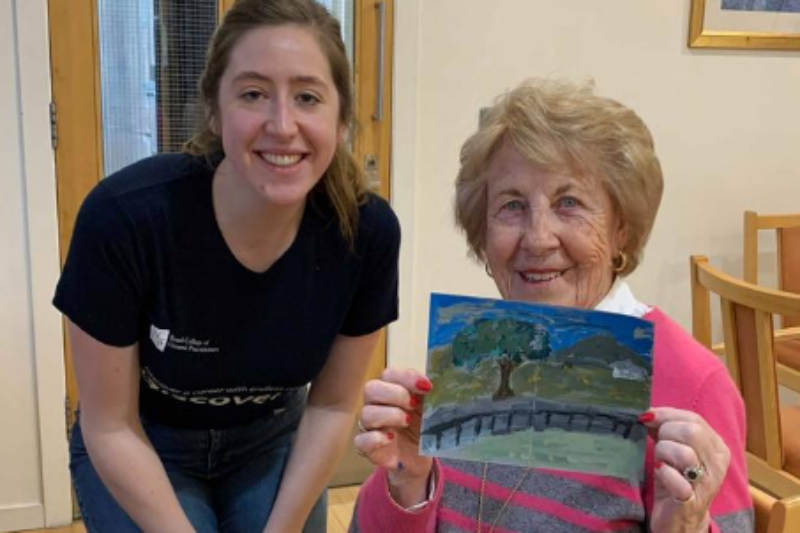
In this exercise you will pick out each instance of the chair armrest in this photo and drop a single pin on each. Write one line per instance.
(785, 516)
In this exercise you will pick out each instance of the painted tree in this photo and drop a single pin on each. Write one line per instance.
(507, 341)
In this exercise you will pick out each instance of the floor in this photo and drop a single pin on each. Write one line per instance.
(340, 509)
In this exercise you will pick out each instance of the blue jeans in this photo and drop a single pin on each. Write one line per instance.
(226, 480)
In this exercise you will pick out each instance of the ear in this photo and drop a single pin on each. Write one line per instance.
(621, 235)
(212, 119)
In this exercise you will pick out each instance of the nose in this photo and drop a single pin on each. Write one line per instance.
(540, 234)
(281, 120)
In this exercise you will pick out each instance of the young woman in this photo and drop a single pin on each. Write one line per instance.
(204, 291)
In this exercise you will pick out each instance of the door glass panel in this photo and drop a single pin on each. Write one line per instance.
(151, 57)
(343, 10)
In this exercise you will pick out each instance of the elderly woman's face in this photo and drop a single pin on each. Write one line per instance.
(550, 237)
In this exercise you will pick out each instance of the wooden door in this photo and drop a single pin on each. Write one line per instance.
(77, 114)
(82, 158)
(374, 33)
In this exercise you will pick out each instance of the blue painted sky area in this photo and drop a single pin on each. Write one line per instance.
(450, 313)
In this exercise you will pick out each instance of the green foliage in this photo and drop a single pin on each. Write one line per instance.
(504, 338)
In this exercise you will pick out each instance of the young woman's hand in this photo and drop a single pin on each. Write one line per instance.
(389, 425)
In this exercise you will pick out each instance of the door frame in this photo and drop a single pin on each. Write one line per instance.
(372, 136)
(33, 86)
(78, 151)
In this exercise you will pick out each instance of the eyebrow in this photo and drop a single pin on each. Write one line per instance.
(253, 75)
(510, 191)
(515, 192)
(568, 187)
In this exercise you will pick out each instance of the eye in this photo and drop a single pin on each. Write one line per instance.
(308, 99)
(568, 202)
(252, 95)
(512, 206)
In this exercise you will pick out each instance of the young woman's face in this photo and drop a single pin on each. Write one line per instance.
(278, 113)
(550, 237)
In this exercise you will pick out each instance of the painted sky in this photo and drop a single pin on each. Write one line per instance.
(449, 314)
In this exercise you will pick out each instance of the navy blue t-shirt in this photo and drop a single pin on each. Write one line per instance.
(219, 344)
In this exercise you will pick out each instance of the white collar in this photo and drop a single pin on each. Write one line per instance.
(620, 300)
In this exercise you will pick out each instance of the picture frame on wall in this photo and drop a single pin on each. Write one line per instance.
(745, 24)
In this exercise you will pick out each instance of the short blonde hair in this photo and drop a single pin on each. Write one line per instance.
(566, 127)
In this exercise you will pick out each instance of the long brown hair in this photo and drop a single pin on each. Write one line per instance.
(343, 182)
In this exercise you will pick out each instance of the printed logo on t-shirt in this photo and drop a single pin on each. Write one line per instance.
(159, 337)
(162, 339)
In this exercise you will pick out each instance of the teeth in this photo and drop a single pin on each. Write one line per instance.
(541, 277)
(281, 160)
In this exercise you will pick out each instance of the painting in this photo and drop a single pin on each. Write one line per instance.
(775, 6)
(536, 385)
(745, 24)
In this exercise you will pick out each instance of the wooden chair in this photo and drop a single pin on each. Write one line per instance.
(747, 313)
(787, 237)
(775, 515)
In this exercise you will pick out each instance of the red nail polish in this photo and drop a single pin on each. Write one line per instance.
(390, 435)
(657, 465)
(424, 385)
(414, 403)
(646, 417)
(408, 419)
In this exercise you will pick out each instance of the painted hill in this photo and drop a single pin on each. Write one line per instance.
(598, 350)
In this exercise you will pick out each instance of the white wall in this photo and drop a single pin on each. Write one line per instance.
(726, 125)
(34, 481)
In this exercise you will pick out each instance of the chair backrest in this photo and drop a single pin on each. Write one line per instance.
(787, 235)
(747, 312)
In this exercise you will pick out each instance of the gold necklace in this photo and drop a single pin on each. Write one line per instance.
(505, 503)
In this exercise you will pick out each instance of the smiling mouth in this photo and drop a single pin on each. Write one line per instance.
(281, 160)
(541, 277)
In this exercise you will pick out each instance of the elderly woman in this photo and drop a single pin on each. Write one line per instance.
(557, 194)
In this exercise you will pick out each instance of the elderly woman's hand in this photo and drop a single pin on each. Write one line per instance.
(686, 447)
(389, 437)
